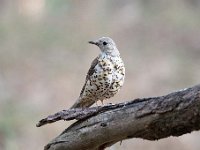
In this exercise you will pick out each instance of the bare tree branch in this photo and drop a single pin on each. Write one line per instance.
(149, 118)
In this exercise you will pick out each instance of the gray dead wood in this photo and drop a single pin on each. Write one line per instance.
(148, 118)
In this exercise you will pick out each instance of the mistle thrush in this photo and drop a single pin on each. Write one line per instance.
(105, 76)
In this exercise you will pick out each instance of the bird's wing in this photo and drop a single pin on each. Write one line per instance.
(90, 72)
(80, 103)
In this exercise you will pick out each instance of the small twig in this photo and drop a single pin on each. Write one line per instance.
(69, 115)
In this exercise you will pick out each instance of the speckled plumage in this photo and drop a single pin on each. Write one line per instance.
(105, 76)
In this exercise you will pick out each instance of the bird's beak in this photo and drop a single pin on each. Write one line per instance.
(93, 42)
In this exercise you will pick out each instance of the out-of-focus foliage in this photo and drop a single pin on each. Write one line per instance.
(44, 57)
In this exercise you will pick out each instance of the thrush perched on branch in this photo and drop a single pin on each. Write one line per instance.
(105, 76)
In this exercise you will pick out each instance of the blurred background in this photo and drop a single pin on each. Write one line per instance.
(44, 58)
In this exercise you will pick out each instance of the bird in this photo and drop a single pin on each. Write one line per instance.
(105, 76)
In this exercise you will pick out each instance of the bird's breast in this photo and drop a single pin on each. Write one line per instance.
(103, 72)
(107, 79)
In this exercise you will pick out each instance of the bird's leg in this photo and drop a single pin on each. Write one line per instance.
(96, 103)
(82, 107)
(102, 102)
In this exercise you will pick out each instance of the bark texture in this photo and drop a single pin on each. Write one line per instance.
(148, 118)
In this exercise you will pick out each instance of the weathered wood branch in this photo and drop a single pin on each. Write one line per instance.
(149, 118)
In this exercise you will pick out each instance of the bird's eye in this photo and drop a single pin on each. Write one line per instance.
(105, 43)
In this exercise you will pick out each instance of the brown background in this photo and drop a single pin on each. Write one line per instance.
(44, 57)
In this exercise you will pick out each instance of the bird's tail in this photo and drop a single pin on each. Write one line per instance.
(82, 103)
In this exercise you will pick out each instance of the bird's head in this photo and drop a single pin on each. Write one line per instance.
(106, 45)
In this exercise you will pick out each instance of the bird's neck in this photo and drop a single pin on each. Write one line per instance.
(110, 53)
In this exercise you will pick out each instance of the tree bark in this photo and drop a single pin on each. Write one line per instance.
(148, 118)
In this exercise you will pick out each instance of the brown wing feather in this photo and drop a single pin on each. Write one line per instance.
(90, 72)
(80, 103)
